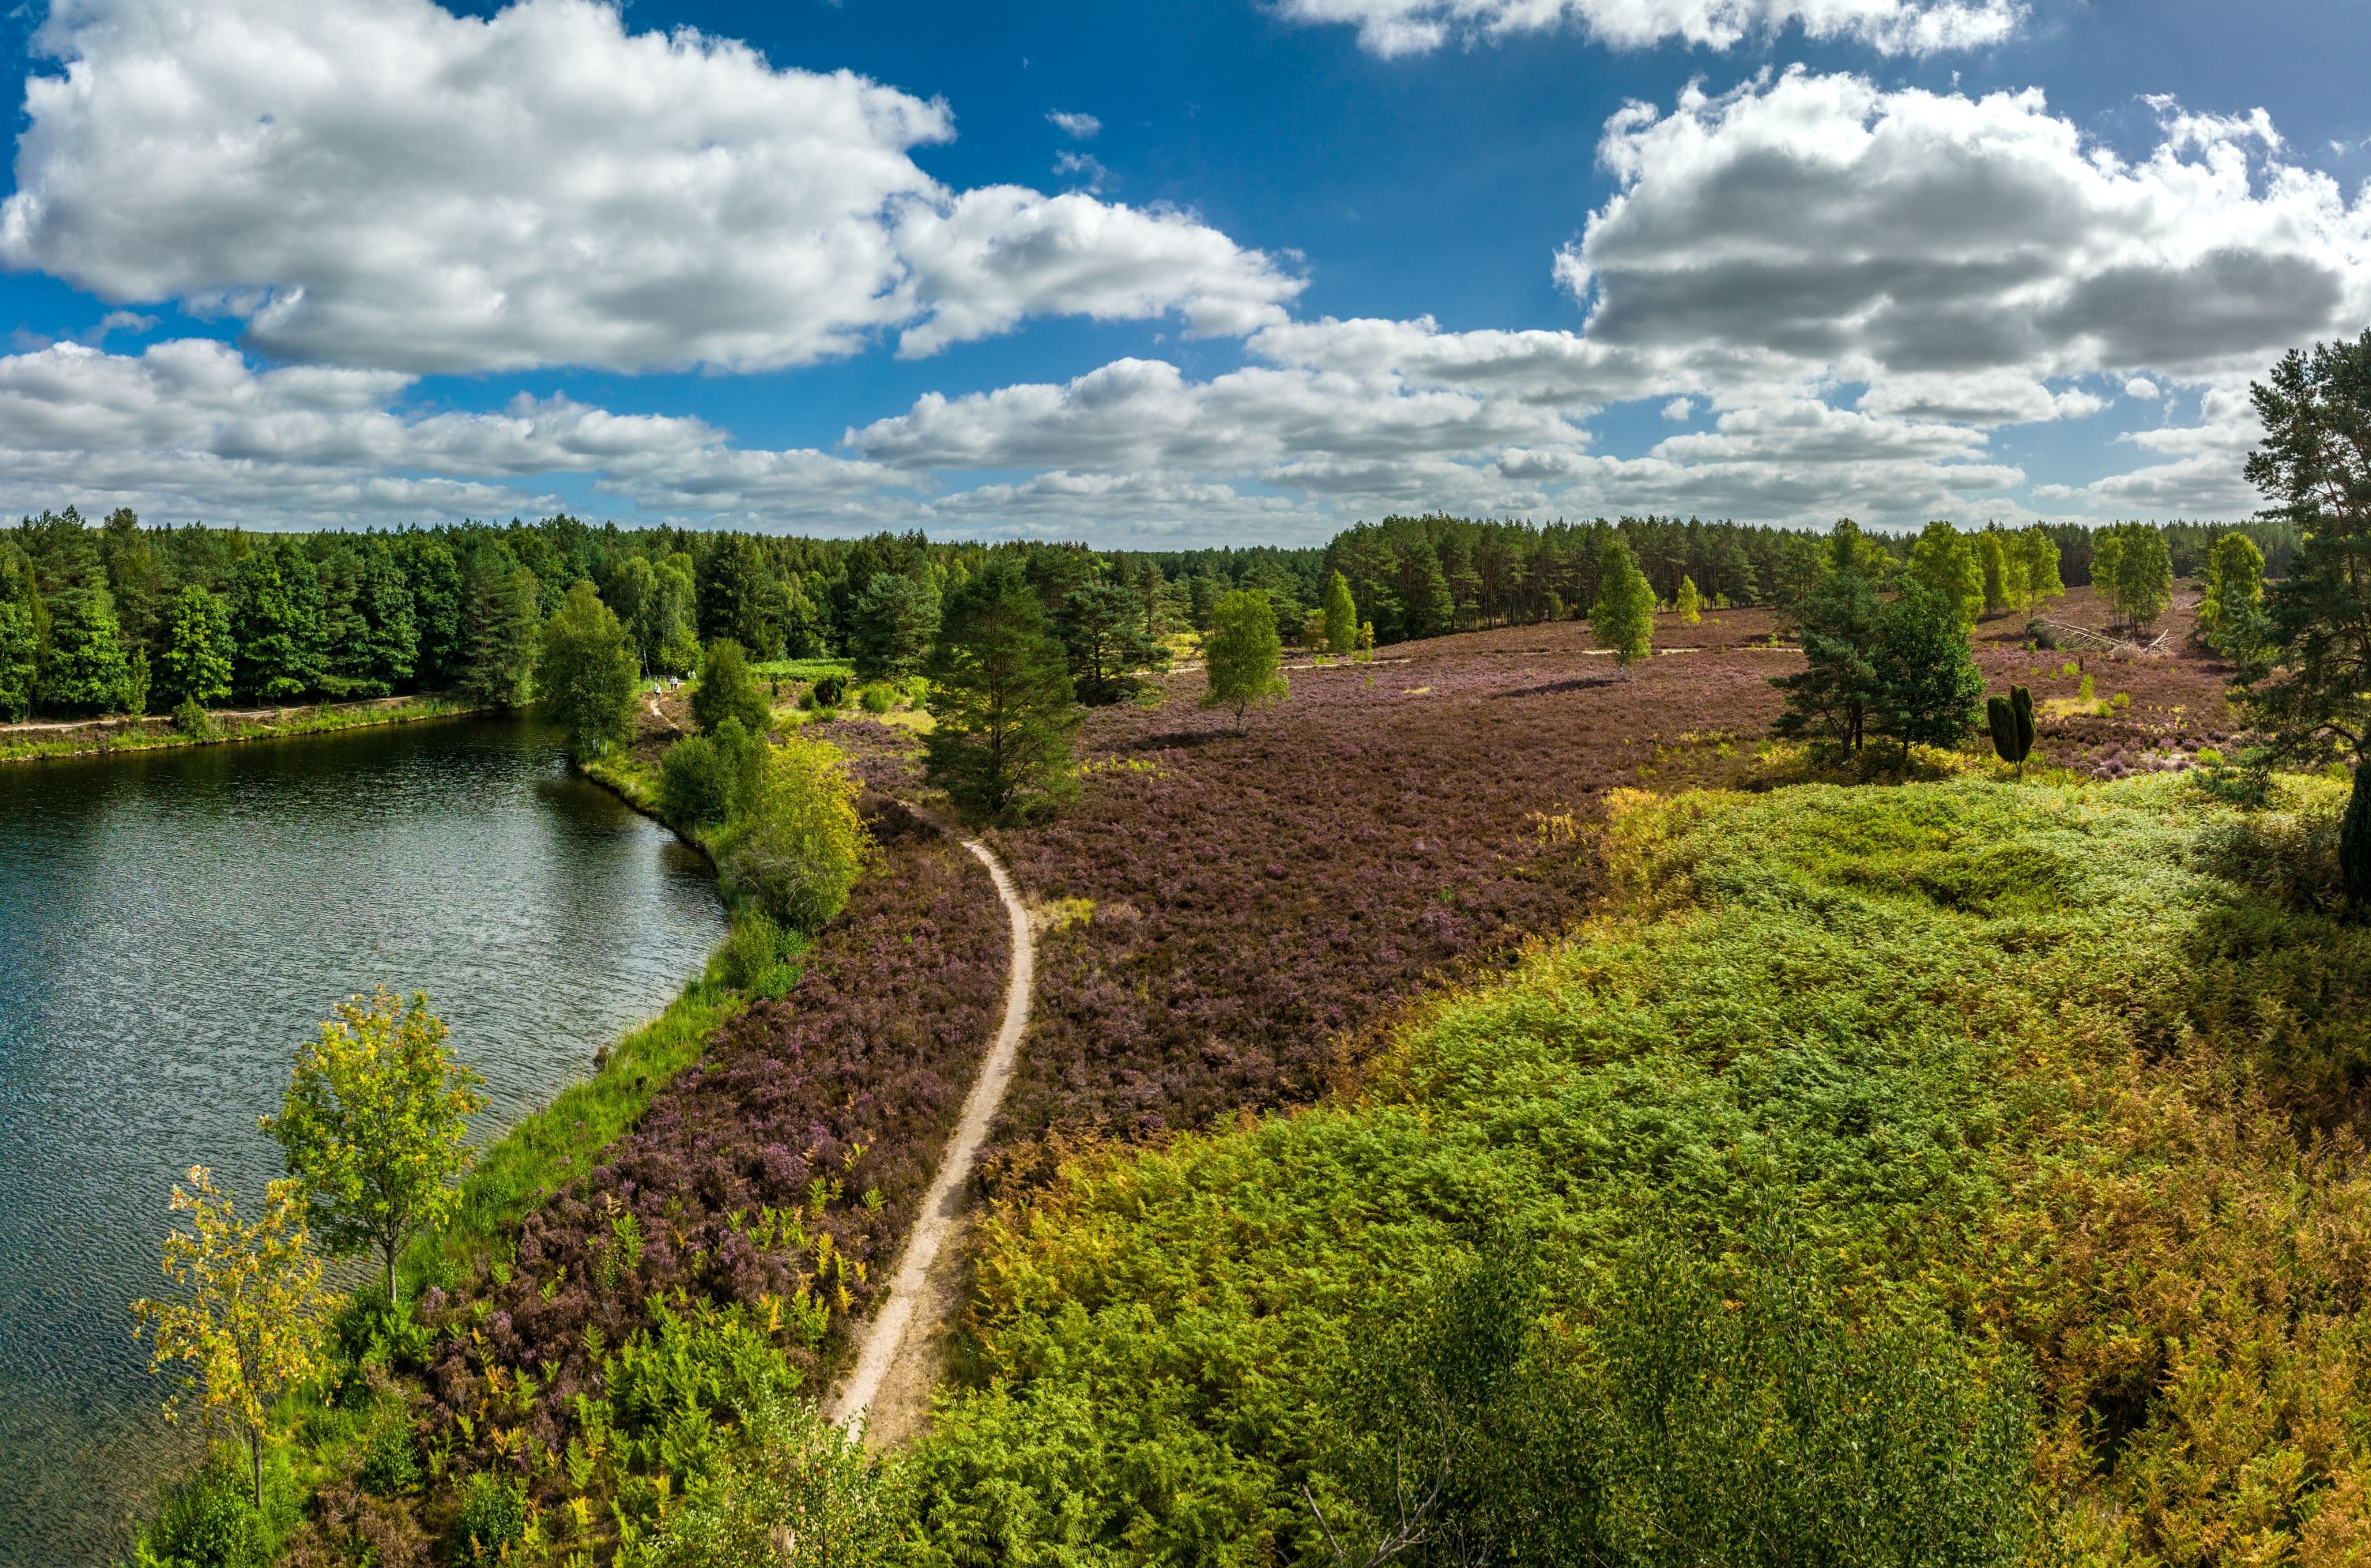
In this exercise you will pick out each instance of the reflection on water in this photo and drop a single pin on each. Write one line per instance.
(171, 925)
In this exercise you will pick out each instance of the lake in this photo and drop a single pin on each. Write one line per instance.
(172, 924)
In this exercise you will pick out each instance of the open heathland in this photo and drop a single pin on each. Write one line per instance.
(771, 1183)
(1228, 915)
(2058, 1080)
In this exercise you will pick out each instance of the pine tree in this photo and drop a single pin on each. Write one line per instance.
(21, 635)
(498, 630)
(1836, 695)
(1623, 618)
(1000, 700)
(2315, 465)
(1930, 690)
(1102, 630)
(1242, 655)
(894, 622)
(728, 691)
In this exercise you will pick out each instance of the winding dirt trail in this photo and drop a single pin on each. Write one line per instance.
(894, 1371)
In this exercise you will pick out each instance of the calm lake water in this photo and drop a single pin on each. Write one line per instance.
(172, 925)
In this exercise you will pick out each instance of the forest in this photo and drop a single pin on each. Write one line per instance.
(118, 618)
(1815, 1048)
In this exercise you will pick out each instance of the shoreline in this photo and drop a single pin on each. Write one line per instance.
(124, 733)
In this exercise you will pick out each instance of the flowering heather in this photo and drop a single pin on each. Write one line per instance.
(782, 1172)
(1260, 900)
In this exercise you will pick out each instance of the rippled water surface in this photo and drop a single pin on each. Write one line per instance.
(171, 925)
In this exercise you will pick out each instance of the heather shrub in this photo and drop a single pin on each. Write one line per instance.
(801, 845)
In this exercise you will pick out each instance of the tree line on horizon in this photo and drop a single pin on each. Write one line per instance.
(119, 618)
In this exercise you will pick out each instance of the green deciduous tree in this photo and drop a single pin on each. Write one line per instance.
(1687, 603)
(21, 625)
(1834, 696)
(251, 1319)
(1623, 618)
(1242, 655)
(499, 620)
(197, 662)
(1001, 699)
(800, 845)
(707, 780)
(1341, 617)
(894, 620)
(2035, 554)
(1101, 627)
(2231, 617)
(276, 620)
(2315, 467)
(585, 674)
(1929, 691)
(1945, 560)
(373, 1126)
(2132, 565)
(727, 690)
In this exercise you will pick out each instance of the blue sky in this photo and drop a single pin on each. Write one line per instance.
(296, 262)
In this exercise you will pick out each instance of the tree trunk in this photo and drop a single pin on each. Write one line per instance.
(2355, 841)
(390, 1276)
(255, 1457)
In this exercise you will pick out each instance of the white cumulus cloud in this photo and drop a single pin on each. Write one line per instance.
(1395, 27)
(386, 183)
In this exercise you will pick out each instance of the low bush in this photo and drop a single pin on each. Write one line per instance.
(757, 956)
(878, 698)
(706, 780)
(209, 1519)
(800, 845)
(390, 1451)
(827, 692)
(494, 1518)
(194, 721)
(801, 1491)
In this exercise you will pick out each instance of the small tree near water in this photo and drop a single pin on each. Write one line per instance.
(585, 674)
(373, 1123)
(251, 1317)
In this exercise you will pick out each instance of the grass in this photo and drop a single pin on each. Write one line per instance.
(2070, 1064)
(802, 669)
(552, 1147)
(323, 719)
